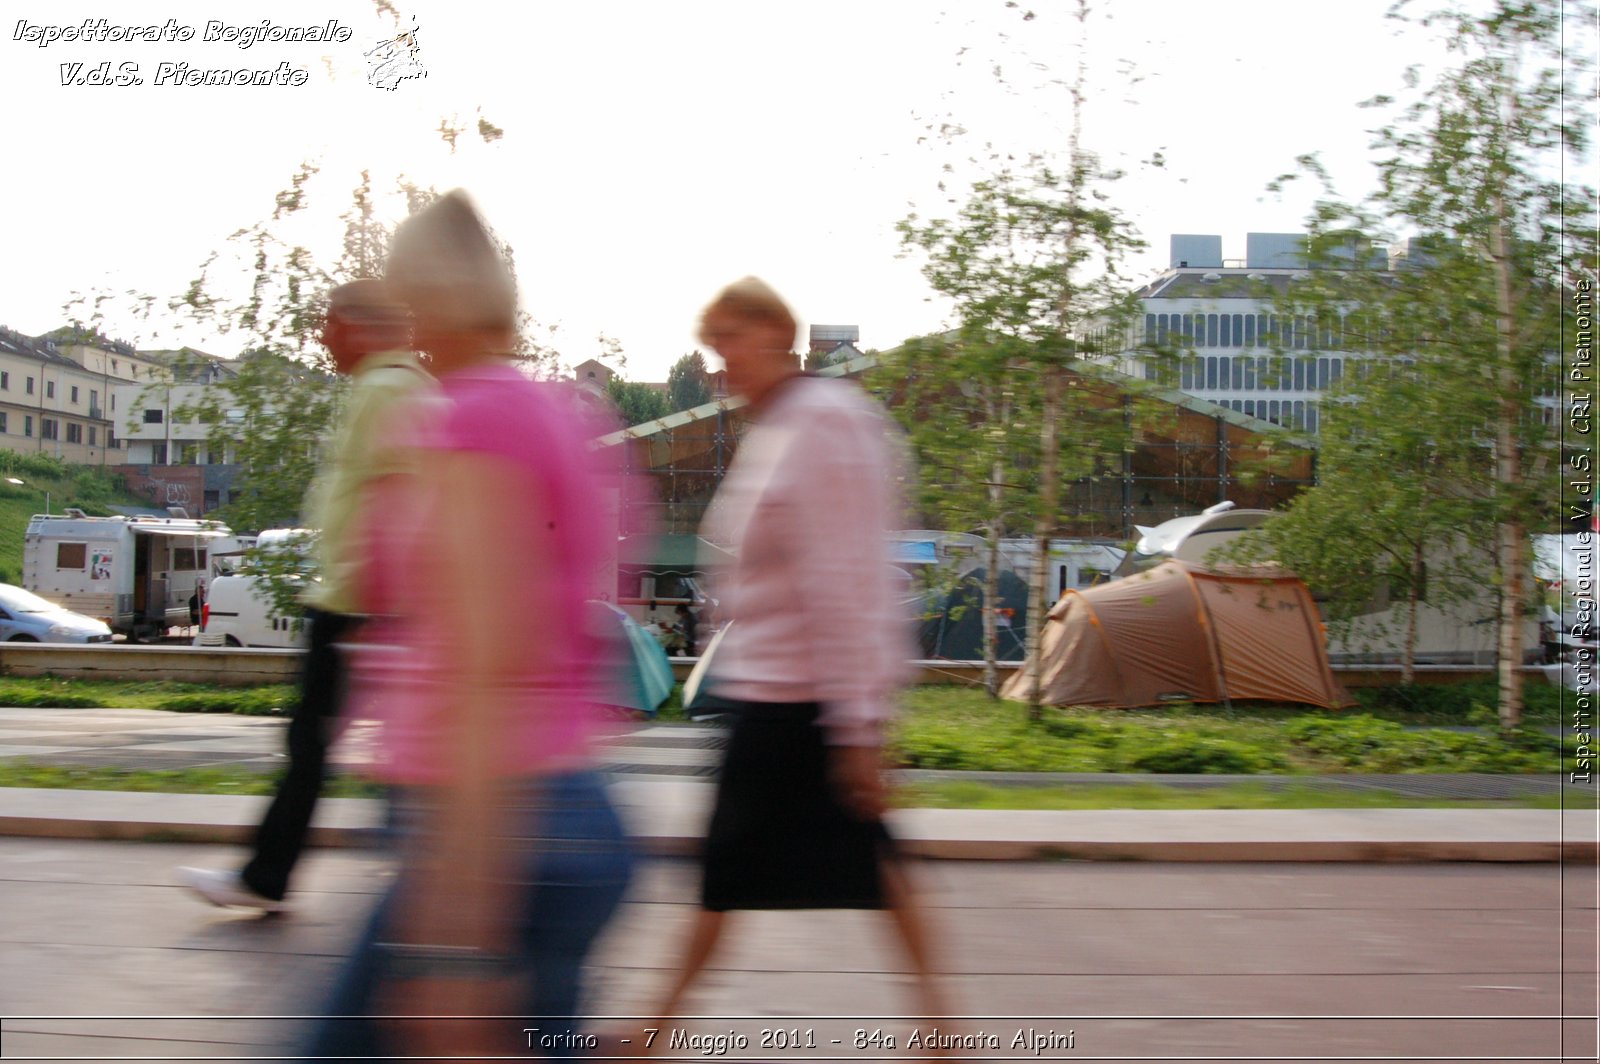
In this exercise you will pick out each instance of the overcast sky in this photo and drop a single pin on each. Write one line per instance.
(655, 151)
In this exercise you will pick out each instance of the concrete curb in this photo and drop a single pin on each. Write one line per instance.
(666, 818)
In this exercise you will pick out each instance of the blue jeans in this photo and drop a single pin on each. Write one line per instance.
(578, 864)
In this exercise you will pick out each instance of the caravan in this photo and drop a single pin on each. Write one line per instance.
(137, 574)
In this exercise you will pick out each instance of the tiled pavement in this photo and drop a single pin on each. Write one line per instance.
(1151, 962)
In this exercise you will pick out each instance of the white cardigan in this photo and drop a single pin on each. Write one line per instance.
(806, 506)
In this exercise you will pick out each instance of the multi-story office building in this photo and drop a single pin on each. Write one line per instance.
(1220, 318)
(1233, 347)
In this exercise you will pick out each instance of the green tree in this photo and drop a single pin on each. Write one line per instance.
(1393, 514)
(688, 383)
(636, 403)
(1474, 164)
(1032, 263)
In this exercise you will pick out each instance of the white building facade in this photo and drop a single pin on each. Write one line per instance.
(1234, 348)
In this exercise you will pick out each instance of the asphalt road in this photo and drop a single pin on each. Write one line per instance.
(1097, 961)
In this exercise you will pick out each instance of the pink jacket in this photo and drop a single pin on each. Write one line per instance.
(807, 507)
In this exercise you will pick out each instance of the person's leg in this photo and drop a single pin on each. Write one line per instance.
(579, 864)
(702, 943)
(282, 833)
(909, 920)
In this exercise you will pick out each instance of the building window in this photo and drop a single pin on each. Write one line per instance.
(49, 389)
(72, 555)
(73, 395)
(1211, 369)
(1211, 330)
(74, 432)
(1149, 331)
(2, 421)
(30, 385)
(158, 454)
(27, 425)
(94, 403)
(113, 365)
(92, 434)
(48, 428)
(152, 417)
(5, 381)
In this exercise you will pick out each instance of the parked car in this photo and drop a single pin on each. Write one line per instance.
(27, 618)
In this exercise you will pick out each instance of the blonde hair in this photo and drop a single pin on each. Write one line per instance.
(446, 267)
(752, 299)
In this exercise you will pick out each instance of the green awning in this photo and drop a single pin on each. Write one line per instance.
(681, 553)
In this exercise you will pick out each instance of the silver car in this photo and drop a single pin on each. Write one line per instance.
(27, 618)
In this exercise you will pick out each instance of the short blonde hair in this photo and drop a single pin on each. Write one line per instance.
(445, 266)
(752, 299)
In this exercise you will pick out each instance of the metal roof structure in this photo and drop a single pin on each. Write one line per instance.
(1189, 461)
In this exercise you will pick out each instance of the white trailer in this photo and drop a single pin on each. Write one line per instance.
(137, 574)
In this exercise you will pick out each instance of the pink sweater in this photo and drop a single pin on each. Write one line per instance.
(807, 507)
(403, 678)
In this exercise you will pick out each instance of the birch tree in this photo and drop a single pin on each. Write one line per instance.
(1031, 260)
(1475, 166)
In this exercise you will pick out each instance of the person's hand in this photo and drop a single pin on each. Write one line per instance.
(473, 1032)
(857, 776)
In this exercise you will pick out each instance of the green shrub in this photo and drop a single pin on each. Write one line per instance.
(1347, 740)
(1459, 703)
(1205, 754)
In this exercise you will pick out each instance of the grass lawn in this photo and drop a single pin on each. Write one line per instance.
(168, 781)
(145, 694)
(959, 795)
(1397, 730)
(952, 795)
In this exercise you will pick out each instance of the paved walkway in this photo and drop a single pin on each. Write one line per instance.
(1086, 962)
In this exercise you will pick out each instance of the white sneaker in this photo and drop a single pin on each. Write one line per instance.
(227, 889)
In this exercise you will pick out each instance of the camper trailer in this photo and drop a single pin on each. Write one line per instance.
(137, 574)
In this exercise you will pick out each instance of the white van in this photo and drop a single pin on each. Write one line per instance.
(238, 613)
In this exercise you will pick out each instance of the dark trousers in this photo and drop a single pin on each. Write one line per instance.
(282, 834)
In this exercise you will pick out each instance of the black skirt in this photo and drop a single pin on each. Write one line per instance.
(779, 838)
